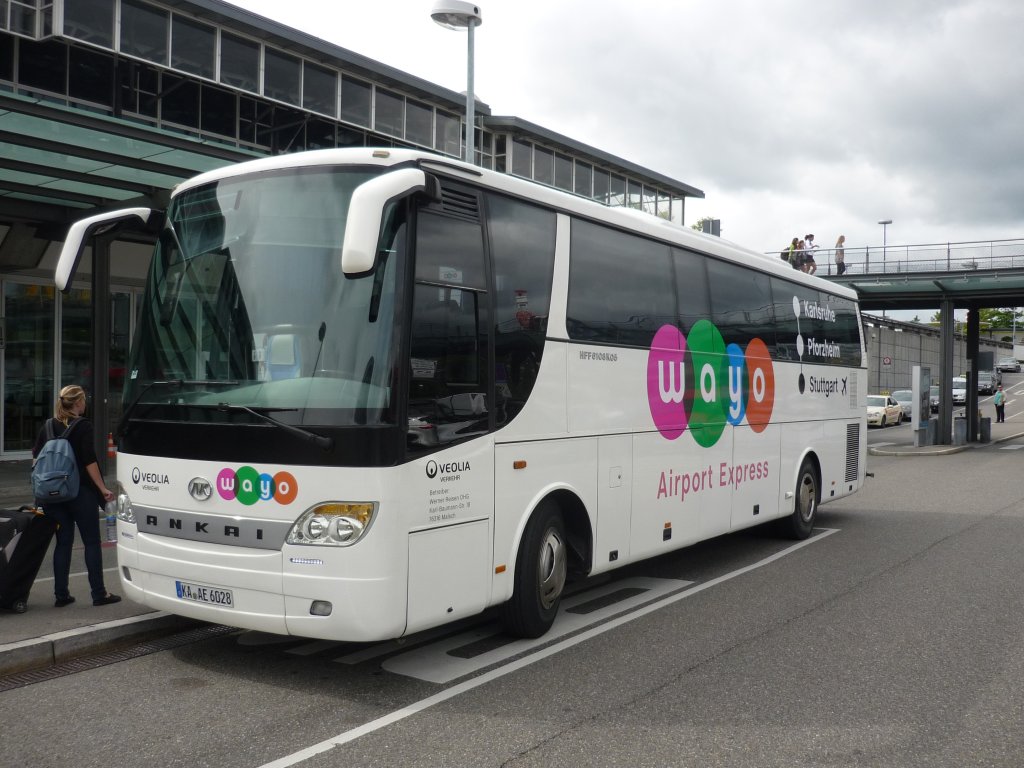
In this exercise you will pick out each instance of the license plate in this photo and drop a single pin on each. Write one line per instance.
(201, 594)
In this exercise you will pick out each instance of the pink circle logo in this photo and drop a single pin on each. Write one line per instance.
(666, 381)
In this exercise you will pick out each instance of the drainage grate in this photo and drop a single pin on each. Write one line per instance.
(482, 646)
(85, 663)
(603, 602)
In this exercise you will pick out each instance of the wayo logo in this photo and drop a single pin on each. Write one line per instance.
(249, 486)
(699, 382)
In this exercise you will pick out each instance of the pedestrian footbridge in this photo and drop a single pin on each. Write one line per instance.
(949, 276)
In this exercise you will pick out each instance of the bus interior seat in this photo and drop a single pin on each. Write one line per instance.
(284, 356)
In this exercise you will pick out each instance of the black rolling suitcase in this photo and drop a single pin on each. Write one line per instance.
(25, 536)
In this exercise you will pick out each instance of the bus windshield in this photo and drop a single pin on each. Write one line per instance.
(247, 309)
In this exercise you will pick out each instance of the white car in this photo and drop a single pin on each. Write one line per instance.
(883, 411)
(959, 390)
(905, 397)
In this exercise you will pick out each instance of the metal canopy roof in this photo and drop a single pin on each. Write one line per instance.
(70, 159)
(923, 290)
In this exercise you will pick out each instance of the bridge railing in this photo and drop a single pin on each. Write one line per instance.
(929, 257)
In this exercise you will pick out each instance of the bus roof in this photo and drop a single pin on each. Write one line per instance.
(626, 218)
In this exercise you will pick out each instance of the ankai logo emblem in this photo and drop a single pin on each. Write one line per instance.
(200, 489)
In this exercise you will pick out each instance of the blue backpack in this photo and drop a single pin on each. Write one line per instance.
(55, 471)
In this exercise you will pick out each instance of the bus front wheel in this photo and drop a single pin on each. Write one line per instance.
(805, 506)
(541, 569)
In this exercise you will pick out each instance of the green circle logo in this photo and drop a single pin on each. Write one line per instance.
(710, 377)
(247, 488)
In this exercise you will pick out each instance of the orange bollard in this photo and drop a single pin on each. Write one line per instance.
(111, 448)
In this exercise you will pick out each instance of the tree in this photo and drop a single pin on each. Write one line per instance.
(699, 224)
(999, 318)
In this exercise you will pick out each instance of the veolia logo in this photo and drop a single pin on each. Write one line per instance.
(249, 486)
(700, 382)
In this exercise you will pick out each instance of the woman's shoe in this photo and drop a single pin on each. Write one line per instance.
(60, 602)
(107, 599)
(18, 606)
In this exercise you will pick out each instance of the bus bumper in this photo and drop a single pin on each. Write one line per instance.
(261, 590)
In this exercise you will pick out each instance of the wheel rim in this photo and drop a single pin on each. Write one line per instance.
(551, 568)
(807, 497)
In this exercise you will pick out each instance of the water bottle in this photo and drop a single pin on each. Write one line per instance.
(110, 511)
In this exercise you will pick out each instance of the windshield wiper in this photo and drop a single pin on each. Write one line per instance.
(326, 443)
(125, 417)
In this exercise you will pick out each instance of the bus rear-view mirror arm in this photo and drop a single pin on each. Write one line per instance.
(366, 214)
(81, 231)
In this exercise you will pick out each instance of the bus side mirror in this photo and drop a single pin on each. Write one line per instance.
(366, 214)
(80, 232)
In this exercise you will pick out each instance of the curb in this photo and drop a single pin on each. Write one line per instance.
(56, 648)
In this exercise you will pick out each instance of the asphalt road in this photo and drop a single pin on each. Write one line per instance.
(895, 637)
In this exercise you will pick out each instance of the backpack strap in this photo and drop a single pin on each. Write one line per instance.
(67, 432)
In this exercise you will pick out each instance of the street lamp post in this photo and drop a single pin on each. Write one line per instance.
(885, 223)
(455, 14)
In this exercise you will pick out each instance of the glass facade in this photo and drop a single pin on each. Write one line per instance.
(28, 362)
(161, 66)
(202, 55)
(28, 356)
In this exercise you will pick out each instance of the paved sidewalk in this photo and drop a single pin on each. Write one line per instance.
(45, 635)
(899, 441)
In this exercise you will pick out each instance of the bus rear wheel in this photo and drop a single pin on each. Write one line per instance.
(541, 569)
(805, 505)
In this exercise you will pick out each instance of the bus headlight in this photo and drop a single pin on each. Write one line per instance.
(333, 524)
(125, 513)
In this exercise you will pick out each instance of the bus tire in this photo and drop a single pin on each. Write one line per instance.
(541, 568)
(805, 505)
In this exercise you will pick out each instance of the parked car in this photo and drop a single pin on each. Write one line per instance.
(1008, 364)
(883, 411)
(933, 397)
(959, 390)
(987, 381)
(905, 397)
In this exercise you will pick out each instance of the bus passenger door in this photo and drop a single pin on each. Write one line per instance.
(614, 501)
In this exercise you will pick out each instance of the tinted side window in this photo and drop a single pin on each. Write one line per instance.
(620, 286)
(787, 298)
(449, 250)
(448, 351)
(842, 327)
(741, 303)
(691, 280)
(523, 254)
(827, 325)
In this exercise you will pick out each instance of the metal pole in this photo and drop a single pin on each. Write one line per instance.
(470, 101)
(884, 228)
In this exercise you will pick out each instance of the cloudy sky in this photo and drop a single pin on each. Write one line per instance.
(793, 116)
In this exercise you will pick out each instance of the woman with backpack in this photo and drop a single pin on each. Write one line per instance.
(83, 509)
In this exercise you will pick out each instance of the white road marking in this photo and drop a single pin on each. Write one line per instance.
(449, 693)
(879, 445)
(436, 664)
(1010, 447)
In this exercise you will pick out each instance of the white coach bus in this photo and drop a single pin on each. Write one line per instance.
(373, 391)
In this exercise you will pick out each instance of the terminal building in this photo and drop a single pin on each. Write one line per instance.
(110, 103)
